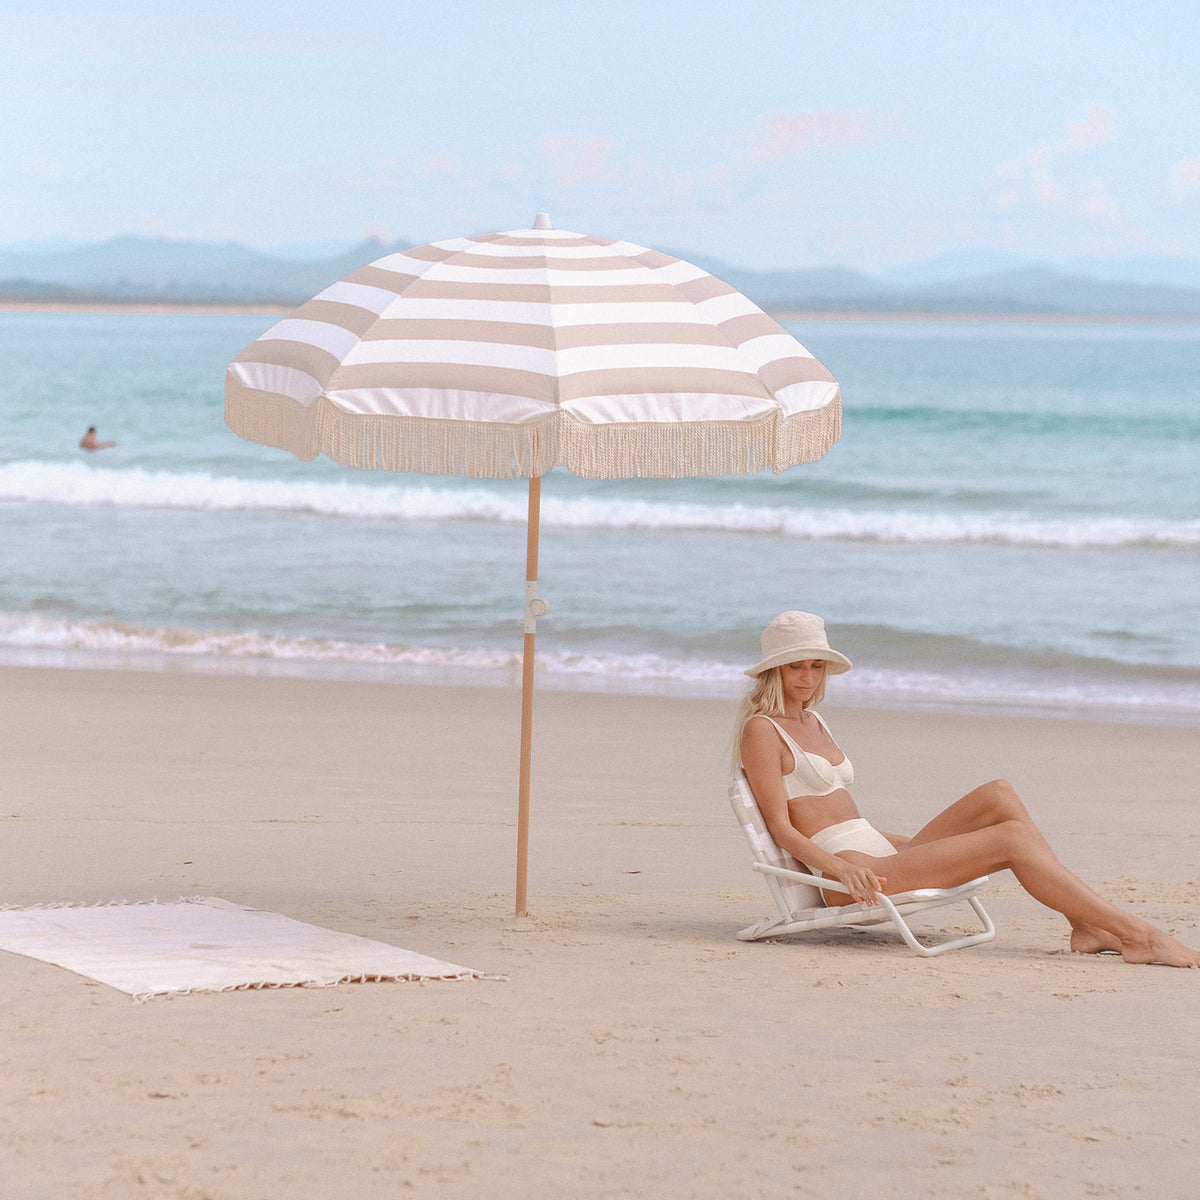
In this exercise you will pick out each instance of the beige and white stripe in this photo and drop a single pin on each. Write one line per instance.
(508, 354)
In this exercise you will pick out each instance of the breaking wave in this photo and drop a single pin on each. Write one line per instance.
(33, 639)
(80, 484)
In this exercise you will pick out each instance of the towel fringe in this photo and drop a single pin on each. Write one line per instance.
(404, 977)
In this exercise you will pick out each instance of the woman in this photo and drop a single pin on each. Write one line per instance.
(800, 778)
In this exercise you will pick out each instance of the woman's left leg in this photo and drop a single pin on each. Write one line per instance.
(989, 804)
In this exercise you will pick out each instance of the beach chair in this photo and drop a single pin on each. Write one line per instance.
(801, 907)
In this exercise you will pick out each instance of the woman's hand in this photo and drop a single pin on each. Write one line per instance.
(863, 883)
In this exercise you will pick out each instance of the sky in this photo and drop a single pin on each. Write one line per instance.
(870, 134)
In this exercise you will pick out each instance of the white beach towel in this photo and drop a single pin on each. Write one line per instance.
(203, 944)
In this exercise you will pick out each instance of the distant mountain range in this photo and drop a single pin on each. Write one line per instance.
(160, 270)
(979, 285)
(133, 269)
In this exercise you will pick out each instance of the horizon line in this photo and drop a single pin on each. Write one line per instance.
(218, 308)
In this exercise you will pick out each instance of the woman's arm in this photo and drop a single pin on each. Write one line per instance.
(762, 759)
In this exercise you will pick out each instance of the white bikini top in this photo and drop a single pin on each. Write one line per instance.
(811, 774)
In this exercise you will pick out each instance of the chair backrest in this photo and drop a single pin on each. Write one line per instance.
(791, 896)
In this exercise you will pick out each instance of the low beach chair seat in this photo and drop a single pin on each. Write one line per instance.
(797, 892)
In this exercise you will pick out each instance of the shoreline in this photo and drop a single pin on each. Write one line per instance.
(549, 681)
(200, 309)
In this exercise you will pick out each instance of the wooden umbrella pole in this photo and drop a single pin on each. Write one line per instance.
(533, 609)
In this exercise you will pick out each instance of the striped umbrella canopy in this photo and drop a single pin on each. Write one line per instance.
(504, 355)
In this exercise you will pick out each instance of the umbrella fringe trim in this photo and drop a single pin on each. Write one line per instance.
(655, 450)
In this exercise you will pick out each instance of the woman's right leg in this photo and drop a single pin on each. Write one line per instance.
(1017, 845)
(992, 804)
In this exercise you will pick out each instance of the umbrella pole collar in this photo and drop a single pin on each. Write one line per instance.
(534, 606)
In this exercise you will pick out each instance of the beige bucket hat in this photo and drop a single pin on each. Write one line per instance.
(795, 637)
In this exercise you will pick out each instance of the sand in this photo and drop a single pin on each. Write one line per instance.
(638, 1049)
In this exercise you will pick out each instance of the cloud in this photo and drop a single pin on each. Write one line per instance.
(1037, 167)
(1039, 178)
(439, 166)
(1099, 206)
(793, 136)
(1093, 130)
(598, 161)
(1184, 179)
(580, 162)
(600, 164)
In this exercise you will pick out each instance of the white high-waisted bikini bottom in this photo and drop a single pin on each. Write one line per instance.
(857, 834)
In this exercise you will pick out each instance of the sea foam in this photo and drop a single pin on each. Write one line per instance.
(82, 484)
(36, 640)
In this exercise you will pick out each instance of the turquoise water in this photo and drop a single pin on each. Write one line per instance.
(1010, 521)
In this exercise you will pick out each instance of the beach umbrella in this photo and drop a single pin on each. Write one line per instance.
(504, 355)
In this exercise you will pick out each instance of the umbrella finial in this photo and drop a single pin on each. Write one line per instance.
(541, 221)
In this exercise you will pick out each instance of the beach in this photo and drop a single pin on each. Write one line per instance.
(636, 1048)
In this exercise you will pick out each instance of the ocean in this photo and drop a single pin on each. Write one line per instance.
(1010, 523)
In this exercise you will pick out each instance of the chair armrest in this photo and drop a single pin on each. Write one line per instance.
(818, 881)
(832, 885)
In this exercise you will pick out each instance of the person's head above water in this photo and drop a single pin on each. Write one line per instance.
(798, 637)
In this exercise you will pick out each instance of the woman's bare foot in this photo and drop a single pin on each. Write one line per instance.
(1087, 939)
(1157, 947)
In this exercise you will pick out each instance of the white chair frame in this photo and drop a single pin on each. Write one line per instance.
(797, 892)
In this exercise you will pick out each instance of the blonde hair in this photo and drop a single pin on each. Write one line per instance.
(765, 699)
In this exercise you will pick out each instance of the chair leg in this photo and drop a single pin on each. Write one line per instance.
(761, 929)
(974, 939)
